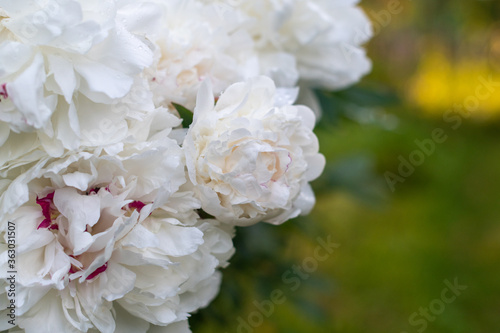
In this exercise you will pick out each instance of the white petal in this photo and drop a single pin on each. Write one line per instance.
(14, 55)
(204, 100)
(316, 165)
(64, 75)
(120, 281)
(179, 327)
(46, 316)
(102, 81)
(126, 323)
(140, 237)
(26, 92)
(179, 241)
(78, 180)
(80, 210)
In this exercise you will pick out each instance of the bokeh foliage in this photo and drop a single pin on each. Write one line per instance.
(396, 249)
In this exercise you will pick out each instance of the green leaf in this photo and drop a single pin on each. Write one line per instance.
(368, 96)
(355, 175)
(353, 100)
(186, 115)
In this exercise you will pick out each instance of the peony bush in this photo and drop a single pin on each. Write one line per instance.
(123, 213)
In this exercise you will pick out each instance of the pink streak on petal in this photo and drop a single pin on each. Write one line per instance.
(98, 271)
(138, 205)
(54, 226)
(3, 91)
(96, 189)
(45, 204)
(45, 224)
(289, 163)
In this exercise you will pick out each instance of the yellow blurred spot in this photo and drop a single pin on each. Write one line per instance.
(495, 47)
(440, 83)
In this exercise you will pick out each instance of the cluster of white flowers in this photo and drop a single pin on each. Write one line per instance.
(123, 217)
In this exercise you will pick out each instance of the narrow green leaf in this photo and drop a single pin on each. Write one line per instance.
(186, 115)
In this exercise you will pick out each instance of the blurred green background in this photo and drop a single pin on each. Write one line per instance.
(395, 249)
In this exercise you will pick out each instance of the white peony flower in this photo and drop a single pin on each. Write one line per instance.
(66, 68)
(323, 37)
(198, 42)
(252, 155)
(109, 243)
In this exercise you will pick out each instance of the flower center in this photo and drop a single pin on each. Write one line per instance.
(51, 222)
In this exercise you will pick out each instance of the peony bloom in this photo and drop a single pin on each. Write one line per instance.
(109, 243)
(195, 42)
(315, 44)
(252, 155)
(100, 182)
(66, 68)
(323, 37)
